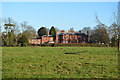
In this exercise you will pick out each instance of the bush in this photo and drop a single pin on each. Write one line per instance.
(47, 45)
(73, 45)
(23, 41)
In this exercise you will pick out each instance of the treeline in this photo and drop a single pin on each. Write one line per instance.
(70, 45)
(14, 34)
(100, 34)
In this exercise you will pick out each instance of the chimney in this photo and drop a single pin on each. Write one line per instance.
(62, 31)
(88, 33)
(70, 31)
(80, 31)
(48, 33)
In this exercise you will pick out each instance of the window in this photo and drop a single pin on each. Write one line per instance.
(63, 41)
(65, 37)
(76, 37)
(51, 39)
(59, 37)
(45, 39)
(66, 41)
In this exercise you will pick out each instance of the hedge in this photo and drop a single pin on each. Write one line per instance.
(81, 45)
(70, 45)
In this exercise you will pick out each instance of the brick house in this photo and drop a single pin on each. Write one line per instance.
(63, 37)
(35, 40)
(72, 37)
(47, 39)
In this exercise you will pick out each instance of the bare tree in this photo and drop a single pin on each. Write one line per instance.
(115, 27)
(29, 32)
(23, 25)
(9, 35)
(118, 26)
(100, 34)
(87, 30)
(0, 31)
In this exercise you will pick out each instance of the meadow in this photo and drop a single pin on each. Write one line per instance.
(51, 62)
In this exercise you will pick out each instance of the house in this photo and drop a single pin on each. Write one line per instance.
(47, 39)
(35, 40)
(73, 38)
(62, 37)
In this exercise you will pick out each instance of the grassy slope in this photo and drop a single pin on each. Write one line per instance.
(51, 62)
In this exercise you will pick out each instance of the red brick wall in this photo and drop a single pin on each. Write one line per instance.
(46, 39)
(63, 39)
(73, 39)
(56, 39)
(35, 41)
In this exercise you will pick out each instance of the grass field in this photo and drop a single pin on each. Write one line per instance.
(51, 62)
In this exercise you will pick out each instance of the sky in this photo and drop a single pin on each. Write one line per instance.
(62, 15)
(60, 0)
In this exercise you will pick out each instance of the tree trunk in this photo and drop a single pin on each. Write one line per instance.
(119, 43)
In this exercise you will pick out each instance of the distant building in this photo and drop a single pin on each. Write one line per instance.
(35, 40)
(47, 39)
(62, 37)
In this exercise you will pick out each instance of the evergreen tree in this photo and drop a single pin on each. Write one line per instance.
(23, 41)
(42, 31)
(52, 31)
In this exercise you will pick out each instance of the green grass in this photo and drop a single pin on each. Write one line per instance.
(51, 62)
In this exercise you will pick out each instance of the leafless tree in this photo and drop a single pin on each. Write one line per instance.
(115, 27)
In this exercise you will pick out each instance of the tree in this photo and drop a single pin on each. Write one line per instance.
(119, 26)
(3, 39)
(42, 31)
(29, 32)
(0, 32)
(23, 40)
(71, 29)
(114, 34)
(9, 36)
(114, 42)
(12, 39)
(52, 31)
(23, 25)
(88, 31)
(115, 26)
(58, 30)
(100, 35)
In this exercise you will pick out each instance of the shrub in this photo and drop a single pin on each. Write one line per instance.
(23, 41)
(73, 45)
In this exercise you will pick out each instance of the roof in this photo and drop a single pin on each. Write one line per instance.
(77, 34)
(35, 38)
(80, 34)
(47, 35)
(63, 34)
